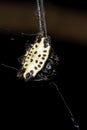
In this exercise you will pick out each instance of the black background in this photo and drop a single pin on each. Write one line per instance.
(64, 3)
(39, 103)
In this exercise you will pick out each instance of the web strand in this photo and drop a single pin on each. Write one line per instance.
(10, 67)
(41, 16)
(75, 124)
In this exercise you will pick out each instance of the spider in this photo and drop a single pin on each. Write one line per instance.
(39, 62)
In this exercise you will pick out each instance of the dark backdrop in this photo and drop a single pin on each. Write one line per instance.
(39, 103)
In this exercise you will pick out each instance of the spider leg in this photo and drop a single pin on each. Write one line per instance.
(41, 77)
(28, 46)
(21, 59)
(47, 41)
(28, 77)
